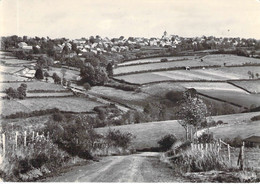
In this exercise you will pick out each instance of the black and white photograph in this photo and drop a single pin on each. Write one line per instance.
(130, 91)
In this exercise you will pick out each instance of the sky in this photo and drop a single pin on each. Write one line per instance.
(139, 18)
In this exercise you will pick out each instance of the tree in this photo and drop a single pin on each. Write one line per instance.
(65, 49)
(193, 111)
(109, 69)
(257, 75)
(167, 141)
(39, 74)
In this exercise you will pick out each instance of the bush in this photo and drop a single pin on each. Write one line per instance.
(174, 96)
(255, 118)
(164, 60)
(57, 117)
(167, 141)
(118, 139)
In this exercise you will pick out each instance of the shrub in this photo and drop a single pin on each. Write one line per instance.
(118, 139)
(164, 60)
(174, 96)
(57, 117)
(167, 141)
(206, 138)
(255, 118)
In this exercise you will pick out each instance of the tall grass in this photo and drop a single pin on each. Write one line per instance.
(184, 159)
(30, 162)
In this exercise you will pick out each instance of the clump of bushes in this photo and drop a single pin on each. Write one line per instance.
(167, 141)
(119, 139)
(19, 93)
(125, 87)
(29, 163)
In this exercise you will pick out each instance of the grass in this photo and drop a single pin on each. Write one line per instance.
(10, 69)
(148, 134)
(4, 77)
(70, 74)
(252, 86)
(70, 104)
(129, 98)
(245, 100)
(220, 59)
(35, 85)
(156, 66)
(15, 61)
(156, 59)
(60, 94)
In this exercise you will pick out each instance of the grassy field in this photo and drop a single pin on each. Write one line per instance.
(156, 59)
(70, 74)
(10, 69)
(59, 94)
(156, 66)
(35, 85)
(8, 77)
(74, 104)
(15, 61)
(242, 99)
(208, 60)
(129, 98)
(252, 86)
(147, 134)
(220, 59)
(215, 74)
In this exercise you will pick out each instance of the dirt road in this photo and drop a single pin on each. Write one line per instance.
(143, 167)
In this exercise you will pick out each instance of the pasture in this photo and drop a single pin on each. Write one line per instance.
(158, 66)
(210, 74)
(35, 85)
(252, 86)
(49, 94)
(147, 134)
(10, 69)
(71, 104)
(14, 61)
(220, 59)
(4, 77)
(242, 99)
(69, 75)
(156, 59)
(129, 98)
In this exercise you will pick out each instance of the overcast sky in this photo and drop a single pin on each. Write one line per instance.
(113, 18)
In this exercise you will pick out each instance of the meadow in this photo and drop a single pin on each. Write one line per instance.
(35, 85)
(147, 134)
(14, 61)
(251, 86)
(156, 59)
(69, 75)
(69, 104)
(4, 77)
(10, 69)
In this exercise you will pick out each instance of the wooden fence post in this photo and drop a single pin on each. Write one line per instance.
(3, 140)
(25, 134)
(242, 156)
(229, 158)
(33, 136)
(16, 139)
(206, 146)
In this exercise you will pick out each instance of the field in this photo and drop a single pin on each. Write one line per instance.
(252, 86)
(220, 59)
(10, 78)
(59, 94)
(69, 75)
(73, 104)
(14, 61)
(209, 60)
(129, 98)
(10, 69)
(35, 85)
(242, 99)
(216, 74)
(158, 66)
(147, 134)
(156, 59)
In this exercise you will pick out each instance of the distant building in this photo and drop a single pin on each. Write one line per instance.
(253, 141)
